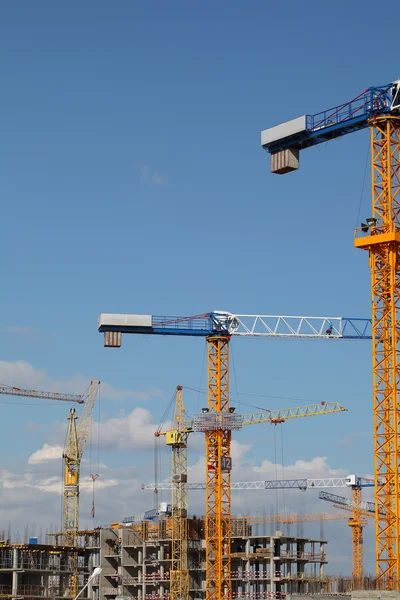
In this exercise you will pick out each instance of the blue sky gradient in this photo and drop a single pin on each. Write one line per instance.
(133, 180)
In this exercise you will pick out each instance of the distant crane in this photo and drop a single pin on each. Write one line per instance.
(357, 521)
(359, 509)
(77, 436)
(177, 438)
(75, 446)
(218, 421)
(9, 390)
(377, 108)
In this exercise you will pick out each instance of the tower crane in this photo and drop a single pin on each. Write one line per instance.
(377, 108)
(218, 421)
(177, 438)
(9, 390)
(77, 436)
(357, 521)
(75, 446)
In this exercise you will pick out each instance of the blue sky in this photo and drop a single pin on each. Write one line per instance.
(133, 180)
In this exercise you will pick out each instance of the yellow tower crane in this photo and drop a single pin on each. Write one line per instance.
(359, 511)
(377, 108)
(218, 419)
(177, 438)
(77, 436)
(75, 445)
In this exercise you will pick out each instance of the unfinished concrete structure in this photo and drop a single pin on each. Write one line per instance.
(32, 571)
(136, 561)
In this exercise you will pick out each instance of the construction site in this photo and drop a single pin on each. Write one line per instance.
(168, 553)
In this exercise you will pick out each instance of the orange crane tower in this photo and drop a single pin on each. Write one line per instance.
(377, 108)
(218, 419)
(359, 511)
(177, 438)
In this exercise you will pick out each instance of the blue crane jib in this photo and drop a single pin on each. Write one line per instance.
(284, 141)
(224, 323)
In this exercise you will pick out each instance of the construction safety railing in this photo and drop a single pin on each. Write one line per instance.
(257, 595)
(147, 577)
(254, 574)
(110, 591)
(32, 591)
(319, 556)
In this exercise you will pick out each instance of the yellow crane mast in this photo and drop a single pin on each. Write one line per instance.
(377, 108)
(77, 436)
(383, 244)
(357, 521)
(177, 438)
(75, 445)
(71, 448)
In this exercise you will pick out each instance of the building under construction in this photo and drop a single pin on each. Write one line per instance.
(136, 563)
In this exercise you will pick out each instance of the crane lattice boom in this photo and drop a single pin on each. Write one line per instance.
(9, 390)
(274, 484)
(220, 322)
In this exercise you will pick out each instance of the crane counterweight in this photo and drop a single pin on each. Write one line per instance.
(285, 141)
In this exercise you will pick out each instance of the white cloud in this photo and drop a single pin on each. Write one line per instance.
(132, 431)
(149, 175)
(47, 452)
(35, 495)
(22, 374)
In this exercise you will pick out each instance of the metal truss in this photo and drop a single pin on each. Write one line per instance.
(218, 475)
(381, 237)
(300, 327)
(353, 503)
(226, 323)
(8, 390)
(274, 484)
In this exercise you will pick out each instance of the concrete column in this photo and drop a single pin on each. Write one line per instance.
(247, 584)
(15, 573)
(245, 587)
(321, 565)
(144, 570)
(271, 565)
